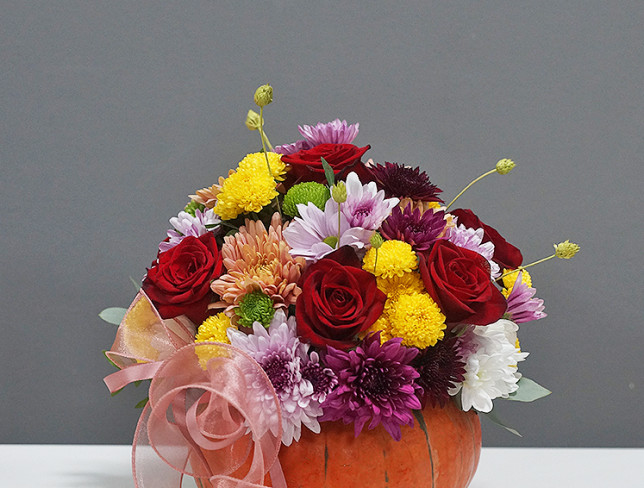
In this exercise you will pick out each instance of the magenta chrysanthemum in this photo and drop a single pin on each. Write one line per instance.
(440, 369)
(375, 383)
(420, 229)
(522, 306)
(398, 180)
(335, 132)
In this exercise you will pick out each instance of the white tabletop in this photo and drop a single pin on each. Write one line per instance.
(98, 466)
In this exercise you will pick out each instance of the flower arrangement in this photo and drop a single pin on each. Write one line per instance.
(348, 290)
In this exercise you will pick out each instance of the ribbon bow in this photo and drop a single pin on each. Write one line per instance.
(205, 415)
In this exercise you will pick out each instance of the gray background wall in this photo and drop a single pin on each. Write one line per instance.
(112, 112)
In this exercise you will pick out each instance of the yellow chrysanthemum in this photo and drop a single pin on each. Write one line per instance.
(417, 320)
(245, 191)
(213, 329)
(399, 285)
(256, 163)
(508, 281)
(381, 325)
(395, 258)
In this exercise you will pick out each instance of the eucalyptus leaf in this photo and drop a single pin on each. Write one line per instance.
(113, 315)
(492, 416)
(528, 391)
(328, 172)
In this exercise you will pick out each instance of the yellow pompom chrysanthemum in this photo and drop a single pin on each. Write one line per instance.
(256, 163)
(213, 329)
(416, 318)
(395, 258)
(245, 191)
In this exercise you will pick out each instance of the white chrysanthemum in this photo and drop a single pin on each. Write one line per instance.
(490, 371)
(186, 225)
(472, 239)
(282, 356)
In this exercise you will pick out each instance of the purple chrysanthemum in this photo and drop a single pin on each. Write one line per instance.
(398, 180)
(335, 132)
(323, 379)
(440, 369)
(376, 383)
(522, 307)
(420, 230)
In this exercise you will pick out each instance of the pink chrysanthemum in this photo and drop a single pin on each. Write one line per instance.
(522, 306)
(420, 229)
(472, 239)
(366, 206)
(186, 225)
(309, 236)
(284, 359)
(335, 132)
(375, 383)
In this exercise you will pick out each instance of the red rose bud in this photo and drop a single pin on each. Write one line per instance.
(459, 282)
(179, 282)
(306, 165)
(338, 301)
(505, 254)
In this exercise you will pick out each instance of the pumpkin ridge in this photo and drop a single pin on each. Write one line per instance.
(421, 422)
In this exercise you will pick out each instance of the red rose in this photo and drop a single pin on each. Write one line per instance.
(505, 254)
(179, 282)
(459, 282)
(306, 165)
(338, 301)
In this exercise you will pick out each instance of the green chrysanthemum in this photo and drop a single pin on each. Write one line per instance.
(310, 191)
(255, 307)
(193, 206)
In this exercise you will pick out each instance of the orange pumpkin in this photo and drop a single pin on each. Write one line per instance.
(442, 453)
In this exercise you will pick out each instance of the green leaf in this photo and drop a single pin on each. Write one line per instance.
(113, 315)
(109, 360)
(528, 391)
(328, 172)
(137, 285)
(492, 416)
(142, 403)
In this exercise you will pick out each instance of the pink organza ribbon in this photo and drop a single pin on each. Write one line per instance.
(207, 414)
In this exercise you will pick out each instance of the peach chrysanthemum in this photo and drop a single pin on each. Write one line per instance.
(208, 196)
(258, 259)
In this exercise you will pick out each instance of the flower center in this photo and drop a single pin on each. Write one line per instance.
(375, 382)
(277, 369)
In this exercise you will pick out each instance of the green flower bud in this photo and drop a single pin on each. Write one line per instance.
(376, 240)
(252, 120)
(566, 249)
(255, 307)
(309, 191)
(264, 95)
(504, 166)
(339, 192)
(331, 241)
(193, 206)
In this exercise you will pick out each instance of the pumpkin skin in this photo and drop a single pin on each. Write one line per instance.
(445, 457)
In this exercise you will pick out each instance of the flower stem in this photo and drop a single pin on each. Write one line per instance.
(339, 224)
(468, 186)
(520, 268)
(268, 164)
